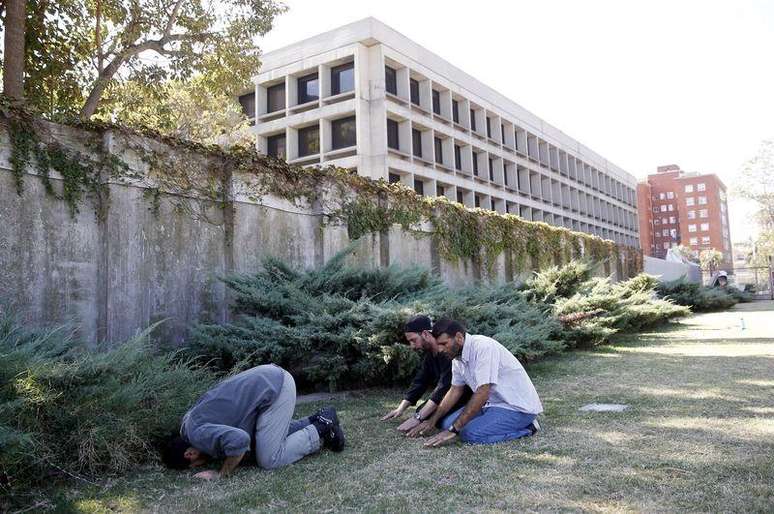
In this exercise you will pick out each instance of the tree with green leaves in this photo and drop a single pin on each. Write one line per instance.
(185, 109)
(78, 50)
(710, 259)
(756, 183)
(686, 253)
(154, 40)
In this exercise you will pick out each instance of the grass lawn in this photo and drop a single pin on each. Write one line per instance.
(698, 436)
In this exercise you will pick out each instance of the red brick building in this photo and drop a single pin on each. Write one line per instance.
(679, 208)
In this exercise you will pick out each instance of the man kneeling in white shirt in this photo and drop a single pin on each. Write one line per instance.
(504, 404)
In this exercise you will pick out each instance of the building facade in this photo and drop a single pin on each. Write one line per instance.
(366, 97)
(688, 209)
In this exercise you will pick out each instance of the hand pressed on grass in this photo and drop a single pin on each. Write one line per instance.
(408, 425)
(440, 439)
(396, 413)
(210, 474)
(423, 429)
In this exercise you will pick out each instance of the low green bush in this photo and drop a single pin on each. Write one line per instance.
(700, 298)
(340, 326)
(741, 296)
(66, 411)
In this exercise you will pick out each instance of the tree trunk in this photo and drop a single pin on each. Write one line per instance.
(13, 65)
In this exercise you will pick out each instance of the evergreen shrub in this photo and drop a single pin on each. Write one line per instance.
(340, 326)
(701, 298)
(66, 411)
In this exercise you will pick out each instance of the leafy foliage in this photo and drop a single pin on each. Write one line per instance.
(68, 411)
(79, 51)
(188, 110)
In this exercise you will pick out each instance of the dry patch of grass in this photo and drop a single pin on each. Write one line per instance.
(698, 436)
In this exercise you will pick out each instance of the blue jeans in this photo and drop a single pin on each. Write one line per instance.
(492, 425)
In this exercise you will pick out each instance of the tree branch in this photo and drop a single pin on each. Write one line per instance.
(172, 18)
(104, 77)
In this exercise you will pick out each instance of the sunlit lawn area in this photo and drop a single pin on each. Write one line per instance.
(698, 436)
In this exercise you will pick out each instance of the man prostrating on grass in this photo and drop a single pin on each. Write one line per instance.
(434, 371)
(504, 403)
(250, 410)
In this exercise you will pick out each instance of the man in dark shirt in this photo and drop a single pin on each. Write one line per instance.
(435, 370)
(250, 410)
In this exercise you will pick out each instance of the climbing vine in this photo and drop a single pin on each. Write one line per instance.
(79, 174)
(212, 175)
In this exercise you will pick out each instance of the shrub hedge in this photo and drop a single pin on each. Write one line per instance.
(340, 326)
(701, 298)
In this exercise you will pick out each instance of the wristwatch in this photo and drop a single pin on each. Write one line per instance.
(418, 416)
(453, 429)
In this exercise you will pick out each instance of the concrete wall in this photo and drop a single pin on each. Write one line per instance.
(666, 270)
(141, 261)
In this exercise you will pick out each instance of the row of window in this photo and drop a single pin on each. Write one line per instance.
(466, 115)
(343, 135)
(703, 227)
(672, 232)
(342, 80)
(690, 201)
(596, 208)
(480, 200)
(703, 213)
(476, 162)
(694, 241)
(669, 195)
(699, 187)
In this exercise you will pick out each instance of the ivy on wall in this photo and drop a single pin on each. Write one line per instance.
(205, 174)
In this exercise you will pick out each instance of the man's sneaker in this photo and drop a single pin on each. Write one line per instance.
(535, 426)
(328, 427)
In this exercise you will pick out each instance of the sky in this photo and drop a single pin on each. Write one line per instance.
(642, 83)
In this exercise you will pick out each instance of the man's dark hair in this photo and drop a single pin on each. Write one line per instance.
(172, 454)
(418, 324)
(449, 327)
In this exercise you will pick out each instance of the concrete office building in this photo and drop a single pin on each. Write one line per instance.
(679, 208)
(365, 97)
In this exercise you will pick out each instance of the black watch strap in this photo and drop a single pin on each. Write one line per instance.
(453, 429)
(418, 416)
